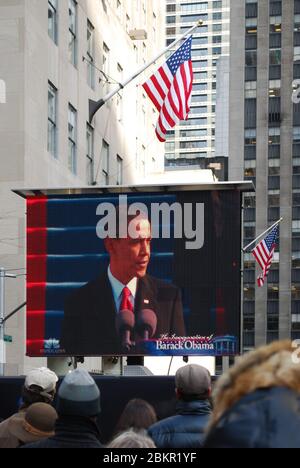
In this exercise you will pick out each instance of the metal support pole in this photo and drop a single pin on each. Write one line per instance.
(2, 313)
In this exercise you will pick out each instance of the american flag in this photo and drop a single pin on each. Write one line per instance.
(170, 89)
(264, 253)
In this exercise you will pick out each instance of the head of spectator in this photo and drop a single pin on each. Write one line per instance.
(78, 405)
(37, 423)
(78, 395)
(257, 402)
(39, 387)
(132, 439)
(137, 414)
(192, 382)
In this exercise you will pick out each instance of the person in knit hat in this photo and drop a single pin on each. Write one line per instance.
(78, 407)
(39, 387)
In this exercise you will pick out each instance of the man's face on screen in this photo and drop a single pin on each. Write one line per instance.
(129, 257)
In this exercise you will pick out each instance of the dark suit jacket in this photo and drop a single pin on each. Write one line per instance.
(89, 323)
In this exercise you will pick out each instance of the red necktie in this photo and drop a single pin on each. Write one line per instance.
(126, 303)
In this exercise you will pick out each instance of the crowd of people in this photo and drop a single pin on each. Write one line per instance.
(256, 404)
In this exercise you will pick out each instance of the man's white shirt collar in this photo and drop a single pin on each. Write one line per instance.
(117, 288)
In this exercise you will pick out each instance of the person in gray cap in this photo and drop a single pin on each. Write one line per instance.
(39, 387)
(186, 429)
(78, 406)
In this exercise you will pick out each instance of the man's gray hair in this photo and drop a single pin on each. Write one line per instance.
(132, 439)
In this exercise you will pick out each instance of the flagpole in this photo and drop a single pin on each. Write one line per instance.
(261, 235)
(94, 106)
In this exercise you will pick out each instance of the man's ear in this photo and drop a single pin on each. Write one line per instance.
(109, 244)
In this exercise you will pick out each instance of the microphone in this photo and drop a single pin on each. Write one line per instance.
(146, 323)
(125, 322)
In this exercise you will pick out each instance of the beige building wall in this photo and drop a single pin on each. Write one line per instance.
(29, 59)
(269, 312)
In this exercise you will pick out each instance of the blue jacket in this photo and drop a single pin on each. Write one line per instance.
(186, 429)
(267, 418)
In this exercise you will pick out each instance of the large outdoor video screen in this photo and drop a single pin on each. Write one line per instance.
(153, 274)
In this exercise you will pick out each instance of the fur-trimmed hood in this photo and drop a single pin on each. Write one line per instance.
(274, 365)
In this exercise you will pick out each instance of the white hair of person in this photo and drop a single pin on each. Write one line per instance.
(132, 439)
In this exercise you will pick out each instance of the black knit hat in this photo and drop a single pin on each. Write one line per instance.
(78, 395)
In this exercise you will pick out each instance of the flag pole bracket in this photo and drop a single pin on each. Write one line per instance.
(94, 106)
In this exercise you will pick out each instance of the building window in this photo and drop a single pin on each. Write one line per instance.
(275, 57)
(274, 136)
(249, 293)
(274, 88)
(275, 24)
(170, 146)
(89, 154)
(190, 7)
(200, 40)
(52, 116)
(192, 18)
(275, 7)
(199, 52)
(171, 8)
(104, 6)
(52, 20)
(217, 16)
(296, 54)
(250, 137)
(251, 26)
(250, 89)
(193, 133)
(296, 133)
(250, 113)
(192, 144)
(106, 68)
(295, 292)
(127, 25)
(72, 32)
(297, 23)
(90, 55)
(251, 9)
(251, 58)
(250, 169)
(217, 5)
(217, 50)
(171, 32)
(217, 27)
(143, 161)
(72, 131)
(119, 97)
(119, 170)
(105, 163)
(119, 9)
(200, 76)
(171, 19)
(199, 110)
(274, 167)
(199, 64)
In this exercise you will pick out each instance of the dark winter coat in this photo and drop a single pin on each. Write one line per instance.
(267, 418)
(186, 429)
(71, 432)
